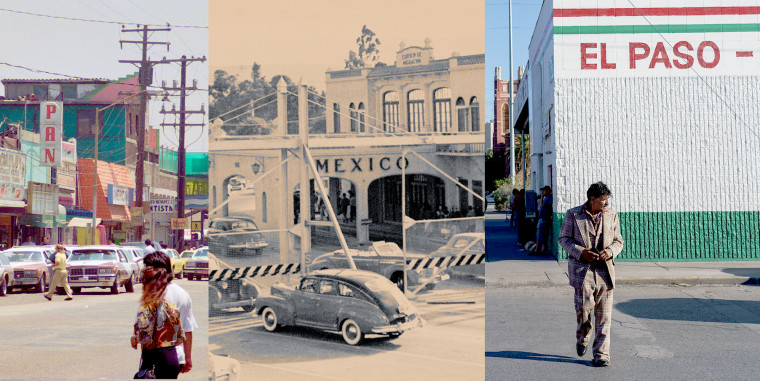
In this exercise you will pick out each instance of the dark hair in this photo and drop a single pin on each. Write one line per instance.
(597, 190)
(515, 191)
(160, 260)
(148, 242)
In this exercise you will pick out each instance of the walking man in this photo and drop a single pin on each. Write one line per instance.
(61, 275)
(591, 236)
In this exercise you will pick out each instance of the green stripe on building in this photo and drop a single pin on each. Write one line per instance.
(661, 28)
(683, 236)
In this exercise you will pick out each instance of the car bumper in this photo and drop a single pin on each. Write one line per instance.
(399, 327)
(26, 282)
(91, 281)
(242, 303)
(249, 246)
(195, 272)
(433, 279)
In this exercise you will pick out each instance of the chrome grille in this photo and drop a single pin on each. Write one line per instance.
(18, 274)
(201, 265)
(91, 271)
(76, 271)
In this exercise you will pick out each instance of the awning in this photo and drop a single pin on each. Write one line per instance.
(119, 213)
(12, 204)
(79, 222)
(45, 221)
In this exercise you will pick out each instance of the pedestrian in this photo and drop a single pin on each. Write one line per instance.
(512, 207)
(61, 275)
(149, 247)
(343, 203)
(165, 321)
(352, 201)
(544, 221)
(591, 236)
(28, 241)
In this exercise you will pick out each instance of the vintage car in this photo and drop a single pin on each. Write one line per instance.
(101, 266)
(464, 244)
(230, 293)
(197, 267)
(31, 267)
(6, 275)
(235, 235)
(353, 302)
(384, 258)
(223, 368)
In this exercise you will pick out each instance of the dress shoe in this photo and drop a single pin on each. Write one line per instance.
(47, 297)
(69, 298)
(580, 349)
(600, 362)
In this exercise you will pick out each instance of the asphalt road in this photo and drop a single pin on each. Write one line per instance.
(448, 347)
(659, 332)
(86, 338)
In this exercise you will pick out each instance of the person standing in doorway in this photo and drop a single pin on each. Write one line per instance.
(61, 275)
(352, 202)
(544, 230)
(591, 236)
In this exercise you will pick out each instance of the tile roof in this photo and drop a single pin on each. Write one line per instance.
(108, 173)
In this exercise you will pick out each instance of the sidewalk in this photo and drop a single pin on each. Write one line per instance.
(509, 265)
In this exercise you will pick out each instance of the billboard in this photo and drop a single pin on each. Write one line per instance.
(51, 126)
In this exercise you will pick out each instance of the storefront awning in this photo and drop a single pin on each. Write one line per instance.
(12, 204)
(79, 222)
(45, 221)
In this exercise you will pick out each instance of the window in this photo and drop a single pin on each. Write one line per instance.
(505, 89)
(336, 117)
(361, 117)
(263, 207)
(327, 287)
(86, 123)
(69, 92)
(309, 285)
(415, 103)
(40, 91)
(462, 115)
(344, 290)
(354, 117)
(390, 111)
(475, 114)
(441, 109)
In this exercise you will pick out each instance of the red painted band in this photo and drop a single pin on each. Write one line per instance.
(744, 54)
(685, 11)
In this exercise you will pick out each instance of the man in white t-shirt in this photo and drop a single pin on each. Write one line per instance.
(149, 247)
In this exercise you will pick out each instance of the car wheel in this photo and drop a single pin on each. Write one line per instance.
(76, 290)
(398, 279)
(130, 286)
(179, 276)
(352, 333)
(40, 286)
(269, 317)
(115, 286)
(4, 287)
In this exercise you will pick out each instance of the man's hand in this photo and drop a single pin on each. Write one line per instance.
(133, 341)
(188, 366)
(589, 256)
(605, 255)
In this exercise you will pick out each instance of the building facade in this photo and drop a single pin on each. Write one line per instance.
(659, 105)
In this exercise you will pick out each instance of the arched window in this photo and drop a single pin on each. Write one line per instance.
(475, 114)
(442, 109)
(361, 117)
(213, 192)
(354, 117)
(390, 111)
(462, 114)
(336, 118)
(415, 102)
(264, 207)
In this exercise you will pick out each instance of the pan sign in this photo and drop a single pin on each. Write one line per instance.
(51, 125)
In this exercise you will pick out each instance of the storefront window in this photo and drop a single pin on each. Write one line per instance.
(415, 104)
(390, 111)
(475, 114)
(441, 109)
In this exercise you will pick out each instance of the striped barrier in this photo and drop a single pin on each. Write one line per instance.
(294, 268)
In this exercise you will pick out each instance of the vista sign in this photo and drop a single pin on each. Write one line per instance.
(51, 128)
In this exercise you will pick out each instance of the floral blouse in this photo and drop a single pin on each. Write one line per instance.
(169, 331)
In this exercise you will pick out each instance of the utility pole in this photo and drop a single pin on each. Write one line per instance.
(182, 114)
(511, 108)
(145, 79)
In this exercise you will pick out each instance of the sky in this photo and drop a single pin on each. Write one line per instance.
(91, 50)
(304, 39)
(524, 17)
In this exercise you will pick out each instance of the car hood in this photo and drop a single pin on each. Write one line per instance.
(28, 266)
(91, 263)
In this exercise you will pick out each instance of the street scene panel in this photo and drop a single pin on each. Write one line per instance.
(105, 161)
(603, 178)
(346, 210)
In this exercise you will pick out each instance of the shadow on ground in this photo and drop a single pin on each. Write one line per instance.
(520, 355)
(693, 309)
(752, 273)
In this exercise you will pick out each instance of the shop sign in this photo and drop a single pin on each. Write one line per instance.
(136, 211)
(51, 124)
(12, 168)
(11, 192)
(71, 213)
(360, 164)
(42, 199)
(163, 205)
(69, 152)
(180, 223)
(196, 187)
(119, 195)
(196, 226)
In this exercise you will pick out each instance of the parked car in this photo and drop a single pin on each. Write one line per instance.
(464, 244)
(31, 267)
(101, 266)
(176, 262)
(230, 293)
(186, 255)
(141, 245)
(6, 275)
(138, 256)
(197, 267)
(235, 235)
(353, 302)
(384, 258)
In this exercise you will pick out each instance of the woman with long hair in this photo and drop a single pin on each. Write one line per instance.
(158, 328)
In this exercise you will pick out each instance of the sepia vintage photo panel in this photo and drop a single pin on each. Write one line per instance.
(346, 189)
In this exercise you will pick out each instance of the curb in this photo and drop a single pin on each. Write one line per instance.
(684, 281)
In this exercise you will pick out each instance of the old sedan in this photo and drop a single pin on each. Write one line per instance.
(464, 244)
(101, 266)
(384, 258)
(230, 293)
(235, 235)
(31, 268)
(6, 274)
(353, 302)
(197, 267)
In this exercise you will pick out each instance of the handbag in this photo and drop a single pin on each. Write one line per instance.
(149, 374)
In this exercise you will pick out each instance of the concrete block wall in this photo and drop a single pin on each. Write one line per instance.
(678, 153)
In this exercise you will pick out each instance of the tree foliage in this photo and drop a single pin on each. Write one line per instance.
(368, 52)
(227, 93)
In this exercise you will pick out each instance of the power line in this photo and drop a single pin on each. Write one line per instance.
(98, 21)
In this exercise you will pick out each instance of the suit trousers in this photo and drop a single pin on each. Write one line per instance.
(60, 279)
(595, 296)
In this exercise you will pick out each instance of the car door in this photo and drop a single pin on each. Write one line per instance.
(328, 304)
(125, 268)
(305, 302)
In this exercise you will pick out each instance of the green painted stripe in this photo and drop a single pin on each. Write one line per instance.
(662, 28)
(683, 236)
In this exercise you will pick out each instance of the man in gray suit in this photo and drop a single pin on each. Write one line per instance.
(591, 236)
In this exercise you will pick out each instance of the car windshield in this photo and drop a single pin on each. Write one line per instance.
(387, 249)
(187, 254)
(386, 291)
(24, 256)
(93, 255)
(203, 253)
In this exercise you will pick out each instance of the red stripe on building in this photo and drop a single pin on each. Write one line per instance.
(685, 11)
(744, 54)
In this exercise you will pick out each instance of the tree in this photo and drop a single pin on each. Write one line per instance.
(368, 53)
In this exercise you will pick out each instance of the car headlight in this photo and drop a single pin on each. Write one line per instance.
(107, 271)
(225, 285)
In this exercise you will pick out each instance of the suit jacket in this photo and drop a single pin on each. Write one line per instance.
(574, 238)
